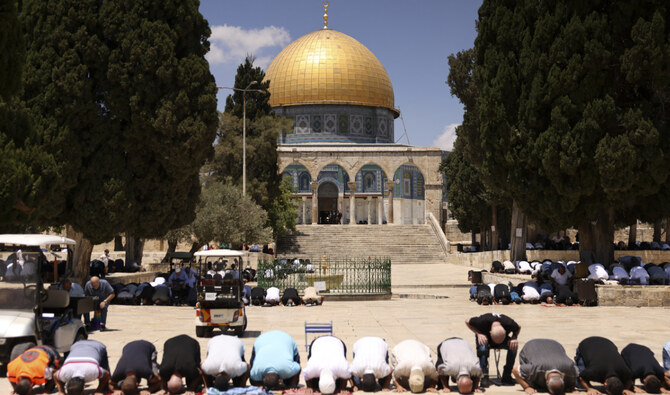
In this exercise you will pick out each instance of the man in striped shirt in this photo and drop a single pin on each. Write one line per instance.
(86, 362)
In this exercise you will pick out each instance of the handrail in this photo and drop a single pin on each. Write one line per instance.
(444, 243)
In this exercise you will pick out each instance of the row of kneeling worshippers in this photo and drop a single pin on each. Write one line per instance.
(582, 292)
(275, 365)
(627, 270)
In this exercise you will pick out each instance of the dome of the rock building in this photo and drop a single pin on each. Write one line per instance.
(328, 67)
(334, 89)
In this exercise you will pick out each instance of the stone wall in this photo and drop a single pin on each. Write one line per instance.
(633, 295)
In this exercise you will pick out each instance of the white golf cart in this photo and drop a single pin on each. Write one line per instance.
(220, 304)
(29, 313)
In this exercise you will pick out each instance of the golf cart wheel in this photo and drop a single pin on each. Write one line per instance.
(201, 331)
(239, 330)
(20, 349)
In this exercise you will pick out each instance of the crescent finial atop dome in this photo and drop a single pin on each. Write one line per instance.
(325, 14)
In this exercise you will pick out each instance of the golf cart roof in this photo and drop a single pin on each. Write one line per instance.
(35, 240)
(181, 255)
(217, 253)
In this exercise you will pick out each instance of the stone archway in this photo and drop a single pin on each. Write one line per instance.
(328, 205)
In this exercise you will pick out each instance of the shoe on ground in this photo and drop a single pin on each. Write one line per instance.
(103, 328)
(485, 382)
(507, 381)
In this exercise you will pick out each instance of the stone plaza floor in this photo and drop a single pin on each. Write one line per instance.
(430, 304)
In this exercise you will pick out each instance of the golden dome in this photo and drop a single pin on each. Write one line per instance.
(328, 67)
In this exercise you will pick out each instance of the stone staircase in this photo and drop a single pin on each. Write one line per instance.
(401, 243)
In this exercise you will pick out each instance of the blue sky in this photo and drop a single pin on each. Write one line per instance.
(412, 39)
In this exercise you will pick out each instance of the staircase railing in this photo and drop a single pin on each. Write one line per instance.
(444, 243)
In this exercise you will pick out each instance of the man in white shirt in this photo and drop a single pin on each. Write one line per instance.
(413, 367)
(370, 364)
(327, 369)
(225, 360)
(86, 362)
(561, 275)
(531, 292)
(272, 296)
(105, 257)
(457, 360)
(524, 267)
(638, 275)
(509, 267)
(598, 272)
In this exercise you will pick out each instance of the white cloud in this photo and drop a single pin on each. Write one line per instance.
(446, 139)
(233, 43)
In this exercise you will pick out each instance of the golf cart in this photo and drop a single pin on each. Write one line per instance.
(180, 259)
(220, 291)
(29, 313)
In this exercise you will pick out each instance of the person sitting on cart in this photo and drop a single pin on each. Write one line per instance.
(225, 361)
(178, 282)
(138, 361)
(35, 366)
(275, 361)
(290, 297)
(181, 359)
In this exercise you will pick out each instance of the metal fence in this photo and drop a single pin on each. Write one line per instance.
(331, 277)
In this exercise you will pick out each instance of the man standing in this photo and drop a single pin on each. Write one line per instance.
(413, 367)
(598, 359)
(105, 293)
(138, 361)
(496, 331)
(35, 366)
(370, 365)
(327, 369)
(86, 362)
(644, 366)
(181, 359)
(456, 360)
(544, 366)
(275, 360)
(225, 360)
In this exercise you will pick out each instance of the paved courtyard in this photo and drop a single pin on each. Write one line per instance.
(431, 304)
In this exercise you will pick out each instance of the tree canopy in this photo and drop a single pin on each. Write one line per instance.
(25, 168)
(122, 95)
(571, 111)
(264, 183)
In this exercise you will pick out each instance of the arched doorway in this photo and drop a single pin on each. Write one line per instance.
(327, 195)
(409, 195)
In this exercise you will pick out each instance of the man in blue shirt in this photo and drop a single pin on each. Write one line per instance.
(275, 359)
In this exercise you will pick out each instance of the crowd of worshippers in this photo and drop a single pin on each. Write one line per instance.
(272, 296)
(543, 365)
(627, 270)
(564, 243)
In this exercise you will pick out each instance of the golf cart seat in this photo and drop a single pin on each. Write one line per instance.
(83, 305)
(56, 299)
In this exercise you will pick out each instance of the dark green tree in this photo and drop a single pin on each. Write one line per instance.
(594, 142)
(24, 167)
(121, 93)
(263, 180)
(257, 102)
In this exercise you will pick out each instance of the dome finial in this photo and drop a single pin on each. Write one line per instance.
(325, 14)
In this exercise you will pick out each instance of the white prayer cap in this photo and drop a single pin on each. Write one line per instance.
(326, 382)
(416, 379)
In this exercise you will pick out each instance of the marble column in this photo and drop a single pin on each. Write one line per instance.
(380, 210)
(352, 203)
(369, 200)
(304, 210)
(315, 202)
(390, 186)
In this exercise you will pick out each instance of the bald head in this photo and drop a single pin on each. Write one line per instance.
(95, 282)
(175, 384)
(555, 384)
(464, 385)
(498, 333)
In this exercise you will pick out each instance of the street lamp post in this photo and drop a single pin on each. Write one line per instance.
(244, 128)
